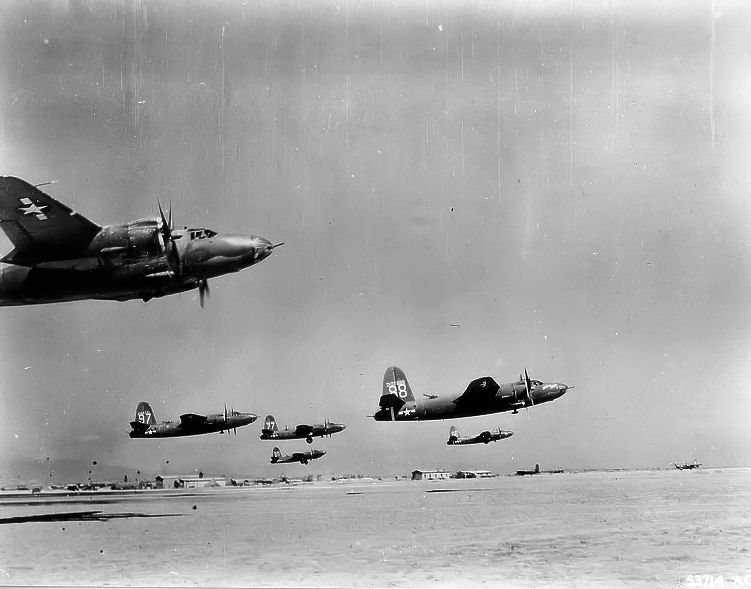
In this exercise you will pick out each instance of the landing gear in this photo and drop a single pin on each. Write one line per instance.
(309, 439)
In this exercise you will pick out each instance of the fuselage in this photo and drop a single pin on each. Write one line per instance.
(509, 397)
(217, 422)
(129, 261)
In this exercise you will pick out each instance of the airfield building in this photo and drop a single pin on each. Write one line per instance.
(474, 474)
(430, 475)
(188, 482)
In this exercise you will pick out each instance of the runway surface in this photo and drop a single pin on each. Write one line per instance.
(597, 529)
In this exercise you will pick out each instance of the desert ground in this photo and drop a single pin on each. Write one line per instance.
(589, 529)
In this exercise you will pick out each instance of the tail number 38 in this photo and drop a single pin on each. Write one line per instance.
(398, 388)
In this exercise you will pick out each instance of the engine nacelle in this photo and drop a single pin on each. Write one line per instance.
(137, 239)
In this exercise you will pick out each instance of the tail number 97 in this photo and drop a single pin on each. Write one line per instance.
(398, 388)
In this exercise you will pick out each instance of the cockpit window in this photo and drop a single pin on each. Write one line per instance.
(201, 233)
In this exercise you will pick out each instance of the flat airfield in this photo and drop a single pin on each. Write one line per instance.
(590, 529)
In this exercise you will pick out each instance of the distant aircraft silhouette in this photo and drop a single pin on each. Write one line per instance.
(482, 438)
(302, 457)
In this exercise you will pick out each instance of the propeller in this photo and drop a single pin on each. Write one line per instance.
(527, 387)
(168, 241)
(203, 291)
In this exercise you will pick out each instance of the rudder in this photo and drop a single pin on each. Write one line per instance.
(395, 383)
(269, 424)
(453, 435)
(144, 414)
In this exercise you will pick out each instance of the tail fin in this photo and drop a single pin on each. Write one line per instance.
(275, 454)
(144, 414)
(453, 435)
(269, 424)
(395, 383)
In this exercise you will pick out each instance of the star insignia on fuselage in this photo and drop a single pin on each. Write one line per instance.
(32, 208)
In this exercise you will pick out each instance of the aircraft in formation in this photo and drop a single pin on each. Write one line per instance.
(687, 466)
(59, 255)
(482, 396)
(146, 426)
(271, 431)
(302, 457)
(482, 438)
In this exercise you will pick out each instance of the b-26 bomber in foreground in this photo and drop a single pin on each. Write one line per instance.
(59, 255)
(146, 426)
(302, 457)
(485, 437)
(481, 397)
(271, 431)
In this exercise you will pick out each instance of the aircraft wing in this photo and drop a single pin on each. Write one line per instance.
(40, 228)
(479, 391)
(191, 419)
(303, 429)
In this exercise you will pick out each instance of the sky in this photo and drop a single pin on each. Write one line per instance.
(463, 189)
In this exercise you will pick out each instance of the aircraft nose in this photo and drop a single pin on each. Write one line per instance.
(263, 248)
(562, 388)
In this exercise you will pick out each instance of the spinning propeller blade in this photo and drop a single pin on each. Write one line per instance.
(168, 240)
(203, 291)
(528, 387)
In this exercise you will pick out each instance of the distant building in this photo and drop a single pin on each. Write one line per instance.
(474, 474)
(189, 482)
(430, 475)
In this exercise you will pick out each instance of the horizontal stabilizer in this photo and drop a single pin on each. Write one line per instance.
(138, 426)
(390, 400)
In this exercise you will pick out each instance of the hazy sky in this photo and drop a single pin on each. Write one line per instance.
(568, 182)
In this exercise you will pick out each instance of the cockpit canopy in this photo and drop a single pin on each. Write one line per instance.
(200, 233)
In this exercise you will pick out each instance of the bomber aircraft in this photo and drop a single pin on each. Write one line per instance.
(190, 424)
(481, 438)
(271, 431)
(482, 396)
(687, 466)
(302, 457)
(59, 255)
